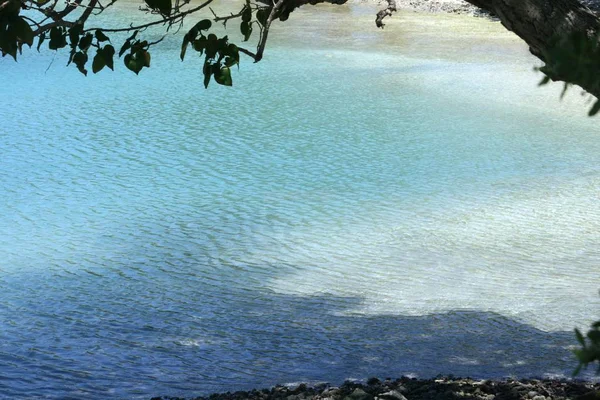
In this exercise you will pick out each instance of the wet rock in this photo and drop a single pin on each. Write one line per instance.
(487, 387)
(321, 387)
(419, 390)
(359, 394)
(402, 389)
(331, 391)
(593, 395)
(392, 395)
(301, 388)
(441, 388)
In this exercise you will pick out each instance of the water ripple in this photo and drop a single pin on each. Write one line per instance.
(165, 240)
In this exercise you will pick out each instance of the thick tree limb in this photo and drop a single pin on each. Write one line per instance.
(540, 22)
(545, 25)
(281, 10)
(173, 18)
(285, 7)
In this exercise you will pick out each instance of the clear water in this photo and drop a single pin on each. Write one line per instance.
(363, 203)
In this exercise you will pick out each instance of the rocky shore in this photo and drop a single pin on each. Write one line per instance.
(439, 6)
(423, 389)
(458, 6)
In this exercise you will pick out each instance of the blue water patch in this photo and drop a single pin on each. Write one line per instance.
(337, 214)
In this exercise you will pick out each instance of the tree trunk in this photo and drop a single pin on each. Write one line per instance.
(540, 22)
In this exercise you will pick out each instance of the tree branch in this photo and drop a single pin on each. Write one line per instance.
(540, 22)
(85, 15)
(171, 19)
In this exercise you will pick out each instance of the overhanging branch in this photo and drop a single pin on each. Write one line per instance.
(542, 23)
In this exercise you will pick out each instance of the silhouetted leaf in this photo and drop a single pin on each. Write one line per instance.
(86, 41)
(223, 76)
(262, 16)
(74, 34)
(579, 337)
(101, 36)
(131, 63)
(41, 40)
(544, 81)
(200, 44)
(595, 108)
(162, 6)
(247, 14)
(204, 25)
(23, 31)
(184, 46)
(108, 53)
(99, 62)
(246, 30)
(79, 59)
(207, 71)
(127, 45)
(137, 59)
(57, 38)
(212, 45)
(146, 58)
(594, 336)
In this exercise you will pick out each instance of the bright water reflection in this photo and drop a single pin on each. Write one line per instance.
(377, 204)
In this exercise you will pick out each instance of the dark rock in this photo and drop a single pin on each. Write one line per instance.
(321, 387)
(593, 395)
(373, 381)
(420, 389)
(444, 388)
(392, 395)
(402, 389)
(449, 395)
(486, 387)
(300, 388)
(332, 392)
(359, 394)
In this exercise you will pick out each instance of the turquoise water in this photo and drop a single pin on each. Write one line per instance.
(362, 203)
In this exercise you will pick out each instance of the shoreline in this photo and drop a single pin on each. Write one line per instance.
(440, 6)
(405, 388)
(455, 6)
(432, 6)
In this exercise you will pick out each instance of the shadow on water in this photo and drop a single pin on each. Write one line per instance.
(98, 339)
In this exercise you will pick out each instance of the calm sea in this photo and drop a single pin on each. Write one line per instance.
(362, 203)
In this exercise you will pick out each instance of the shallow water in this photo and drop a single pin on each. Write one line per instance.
(362, 203)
